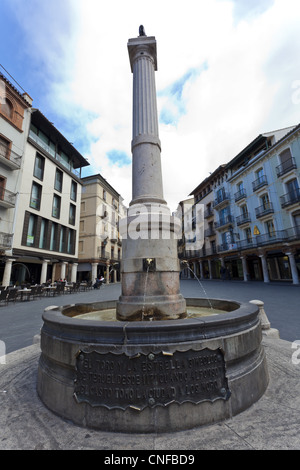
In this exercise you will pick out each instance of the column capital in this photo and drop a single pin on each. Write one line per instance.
(140, 47)
(290, 252)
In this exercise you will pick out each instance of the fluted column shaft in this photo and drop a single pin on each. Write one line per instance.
(147, 183)
(144, 99)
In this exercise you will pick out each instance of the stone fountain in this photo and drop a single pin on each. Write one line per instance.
(149, 367)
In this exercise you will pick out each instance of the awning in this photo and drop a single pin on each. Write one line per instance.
(84, 267)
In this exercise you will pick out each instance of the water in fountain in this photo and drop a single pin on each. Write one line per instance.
(186, 264)
(145, 290)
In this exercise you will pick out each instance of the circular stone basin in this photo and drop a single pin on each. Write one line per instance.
(151, 376)
(109, 314)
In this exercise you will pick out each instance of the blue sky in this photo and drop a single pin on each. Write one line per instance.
(228, 70)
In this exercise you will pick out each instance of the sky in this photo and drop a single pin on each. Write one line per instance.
(228, 70)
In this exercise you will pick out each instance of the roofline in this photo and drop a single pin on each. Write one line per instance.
(20, 95)
(103, 180)
(208, 178)
(80, 159)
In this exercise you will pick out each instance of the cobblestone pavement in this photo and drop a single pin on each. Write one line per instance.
(21, 321)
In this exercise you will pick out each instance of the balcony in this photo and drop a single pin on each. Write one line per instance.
(290, 198)
(10, 159)
(263, 210)
(208, 213)
(243, 219)
(240, 195)
(209, 232)
(224, 221)
(285, 167)
(7, 198)
(5, 241)
(259, 182)
(52, 153)
(287, 235)
(246, 244)
(221, 200)
(227, 247)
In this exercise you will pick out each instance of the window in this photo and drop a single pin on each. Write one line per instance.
(270, 228)
(7, 109)
(2, 187)
(56, 206)
(31, 230)
(240, 186)
(80, 247)
(248, 235)
(71, 242)
(293, 188)
(72, 214)
(58, 180)
(220, 194)
(73, 194)
(43, 234)
(104, 195)
(285, 158)
(4, 148)
(36, 195)
(259, 174)
(244, 211)
(265, 202)
(62, 240)
(39, 165)
(53, 237)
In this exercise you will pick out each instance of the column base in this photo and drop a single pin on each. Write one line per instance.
(160, 307)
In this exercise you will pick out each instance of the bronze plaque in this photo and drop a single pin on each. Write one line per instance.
(121, 381)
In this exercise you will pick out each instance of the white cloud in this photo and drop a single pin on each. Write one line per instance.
(250, 53)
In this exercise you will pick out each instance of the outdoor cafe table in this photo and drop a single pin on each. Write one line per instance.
(24, 293)
(49, 289)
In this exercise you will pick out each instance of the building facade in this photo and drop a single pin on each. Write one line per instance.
(41, 197)
(100, 245)
(253, 229)
(15, 112)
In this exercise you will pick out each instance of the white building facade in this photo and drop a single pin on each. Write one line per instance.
(256, 212)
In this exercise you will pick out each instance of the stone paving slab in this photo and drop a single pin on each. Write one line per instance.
(271, 423)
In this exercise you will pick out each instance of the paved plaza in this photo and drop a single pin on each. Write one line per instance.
(21, 321)
(271, 423)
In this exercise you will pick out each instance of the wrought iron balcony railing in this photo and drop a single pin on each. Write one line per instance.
(290, 198)
(259, 182)
(224, 198)
(243, 219)
(7, 198)
(285, 167)
(5, 240)
(229, 219)
(240, 195)
(265, 209)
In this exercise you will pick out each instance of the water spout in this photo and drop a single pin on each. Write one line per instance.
(186, 264)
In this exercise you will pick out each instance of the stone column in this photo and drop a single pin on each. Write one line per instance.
(107, 271)
(43, 278)
(150, 266)
(201, 270)
(63, 270)
(293, 266)
(264, 267)
(94, 271)
(7, 272)
(146, 163)
(74, 272)
(245, 268)
(209, 268)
